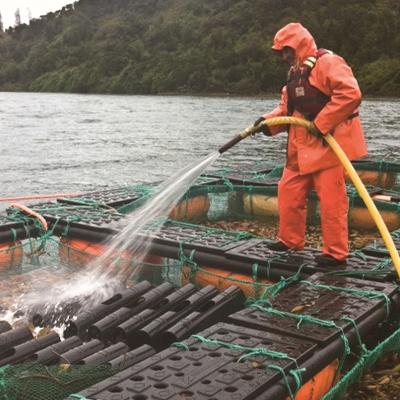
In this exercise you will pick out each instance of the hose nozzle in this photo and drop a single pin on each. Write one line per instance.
(242, 135)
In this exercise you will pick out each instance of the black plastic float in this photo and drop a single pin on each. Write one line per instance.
(128, 297)
(22, 352)
(12, 229)
(105, 355)
(77, 354)
(215, 310)
(103, 328)
(52, 354)
(122, 329)
(151, 333)
(132, 357)
(54, 314)
(13, 338)
(4, 326)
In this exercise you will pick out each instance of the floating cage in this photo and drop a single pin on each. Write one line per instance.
(210, 313)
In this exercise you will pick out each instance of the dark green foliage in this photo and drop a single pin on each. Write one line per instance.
(191, 46)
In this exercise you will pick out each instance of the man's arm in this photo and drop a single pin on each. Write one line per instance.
(335, 78)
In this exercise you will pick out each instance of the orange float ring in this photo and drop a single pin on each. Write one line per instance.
(260, 204)
(360, 218)
(222, 279)
(319, 385)
(11, 255)
(191, 209)
(376, 178)
(79, 253)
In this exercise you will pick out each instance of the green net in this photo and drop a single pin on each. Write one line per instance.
(254, 196)
(365, 361)
(38, 382)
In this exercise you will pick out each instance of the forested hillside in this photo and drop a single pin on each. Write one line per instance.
(194, 46)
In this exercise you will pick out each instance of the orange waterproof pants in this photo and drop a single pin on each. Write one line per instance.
(292, 200)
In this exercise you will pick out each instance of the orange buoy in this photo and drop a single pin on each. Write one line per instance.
(221, 279)
(260, 204)
(79, 253)
(191, 209)
(11, 255)
(376, 178)
(360, 218)
(319, 384)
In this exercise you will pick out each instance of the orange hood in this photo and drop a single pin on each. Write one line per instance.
(297, 37)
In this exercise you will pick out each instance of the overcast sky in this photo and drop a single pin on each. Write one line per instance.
(37, 8)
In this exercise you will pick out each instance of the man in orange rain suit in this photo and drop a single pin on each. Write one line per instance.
(321, 88)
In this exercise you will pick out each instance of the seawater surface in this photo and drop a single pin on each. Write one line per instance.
(74, 143)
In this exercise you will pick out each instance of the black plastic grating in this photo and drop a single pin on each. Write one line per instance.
(196, 237)
(205, 371)
(207, 180)
(254, 179)
(327, 305)
(378, 247)
(85, 217)
(111, 197)
(257, 251)
(380, 166)
(248, 172)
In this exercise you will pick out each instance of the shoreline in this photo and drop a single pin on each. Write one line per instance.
(177, 94)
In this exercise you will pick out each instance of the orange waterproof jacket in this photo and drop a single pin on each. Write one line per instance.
(332, 76)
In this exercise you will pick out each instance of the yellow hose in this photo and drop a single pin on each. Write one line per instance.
(387, 238)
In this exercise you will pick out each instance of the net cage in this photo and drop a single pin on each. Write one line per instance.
(222, 195)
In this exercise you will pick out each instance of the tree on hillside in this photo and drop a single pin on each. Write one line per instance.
(17, 18)
(158, 46)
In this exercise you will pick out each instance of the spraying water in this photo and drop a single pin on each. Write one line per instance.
(160, 205)
(105, 274)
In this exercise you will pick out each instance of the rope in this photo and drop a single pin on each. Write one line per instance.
(31, 213)
(38, 197)
(273, 290)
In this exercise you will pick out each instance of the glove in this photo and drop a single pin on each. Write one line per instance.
(264, 128)
(317, 133)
